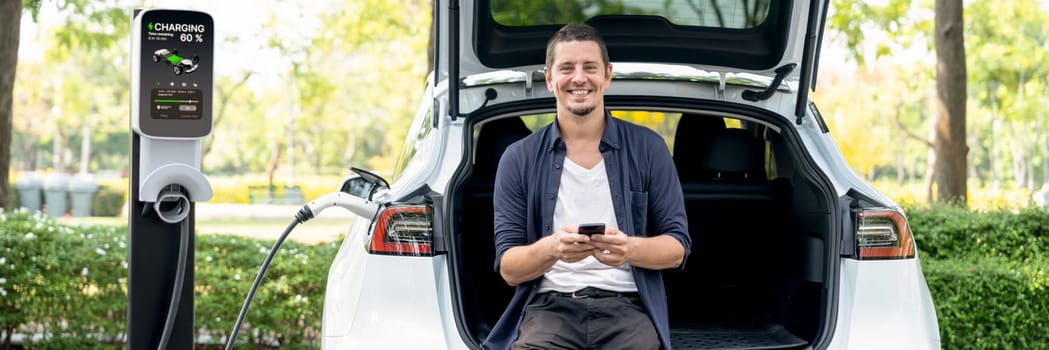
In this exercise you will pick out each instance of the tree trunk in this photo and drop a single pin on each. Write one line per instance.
(901, 144)
(1019, 154)
(10, 23)
(1045, 163)
(58, 150)
(85, 147)
(992, 154)
(951, 96)
(271, 170)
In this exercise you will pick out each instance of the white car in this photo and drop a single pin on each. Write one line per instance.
(791, 249)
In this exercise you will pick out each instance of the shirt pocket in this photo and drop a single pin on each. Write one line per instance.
(639, 212)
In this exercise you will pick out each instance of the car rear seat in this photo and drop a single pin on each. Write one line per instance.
(483, 289)
(734, 213)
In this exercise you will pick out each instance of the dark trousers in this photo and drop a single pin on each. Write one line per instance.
(559, 321)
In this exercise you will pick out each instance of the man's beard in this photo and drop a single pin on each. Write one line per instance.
(582, 110)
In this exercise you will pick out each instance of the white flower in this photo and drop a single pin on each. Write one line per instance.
(207, 258)
(236, 277)
(123, 263)
(2, 260)
(100, 251)
(83, 272)
(122, 245)
(29, 235)
(3, 280)
(3, 292)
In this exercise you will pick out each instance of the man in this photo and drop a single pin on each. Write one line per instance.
(575, 291)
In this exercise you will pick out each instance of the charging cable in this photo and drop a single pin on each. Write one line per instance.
(172, 206)
(357, 205)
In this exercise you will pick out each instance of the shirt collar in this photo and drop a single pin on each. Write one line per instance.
(609, 138)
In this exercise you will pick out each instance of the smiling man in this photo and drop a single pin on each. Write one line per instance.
(600, 291)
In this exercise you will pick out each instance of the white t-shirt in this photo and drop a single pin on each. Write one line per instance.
(584, 197)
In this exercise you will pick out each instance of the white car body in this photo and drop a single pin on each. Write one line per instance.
(378, 301)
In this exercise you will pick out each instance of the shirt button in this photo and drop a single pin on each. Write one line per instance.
(557, 166)
(547, 227)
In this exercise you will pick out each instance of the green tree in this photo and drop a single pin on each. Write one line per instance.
(1006, 43)
(905, 24)
(10, 26)
(377, 49)
(950, 170)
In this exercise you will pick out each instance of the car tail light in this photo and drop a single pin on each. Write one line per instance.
(883, 234)
(403, 230)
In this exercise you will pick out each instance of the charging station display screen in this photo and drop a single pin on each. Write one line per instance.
(176, 69)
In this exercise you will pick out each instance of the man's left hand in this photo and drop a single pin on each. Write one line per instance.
(612, 248)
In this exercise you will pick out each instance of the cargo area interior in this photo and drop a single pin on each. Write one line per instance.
(756, 277)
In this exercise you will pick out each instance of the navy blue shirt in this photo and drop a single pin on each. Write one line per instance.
(646, 196)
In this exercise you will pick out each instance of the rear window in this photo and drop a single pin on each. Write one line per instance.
(733, 14)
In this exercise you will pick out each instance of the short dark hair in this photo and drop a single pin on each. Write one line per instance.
(575, 32)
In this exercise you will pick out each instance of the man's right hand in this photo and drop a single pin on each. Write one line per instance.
(527, 262)
(570, 246)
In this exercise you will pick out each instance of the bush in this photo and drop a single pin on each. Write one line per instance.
(990, 303)
(13, 202)
(70, 282)
(952, 232)
(987, 271)
(109, 200)
(287, 306)
(67, 282)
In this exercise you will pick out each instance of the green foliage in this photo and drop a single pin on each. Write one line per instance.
(13, 199)
(288, 304)
(950, 232)
(68, 282)
(71, 282)
(987, 272)
(988, 275)
(990, 303)
(895, 19)
(109, 200)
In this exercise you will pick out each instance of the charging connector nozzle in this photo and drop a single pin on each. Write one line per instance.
(354, 204)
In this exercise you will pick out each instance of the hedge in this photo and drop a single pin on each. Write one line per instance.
(987, 271)
(990, 303)
(952, 232)
(79, 297)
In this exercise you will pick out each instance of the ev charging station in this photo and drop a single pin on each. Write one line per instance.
(172, 73)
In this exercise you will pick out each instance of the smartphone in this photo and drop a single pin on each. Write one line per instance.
(592, 229)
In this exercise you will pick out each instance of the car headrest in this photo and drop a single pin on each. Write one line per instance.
(738, 155)
(495, 136)
(692, 143)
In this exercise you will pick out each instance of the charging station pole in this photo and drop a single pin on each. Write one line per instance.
(172, 72)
